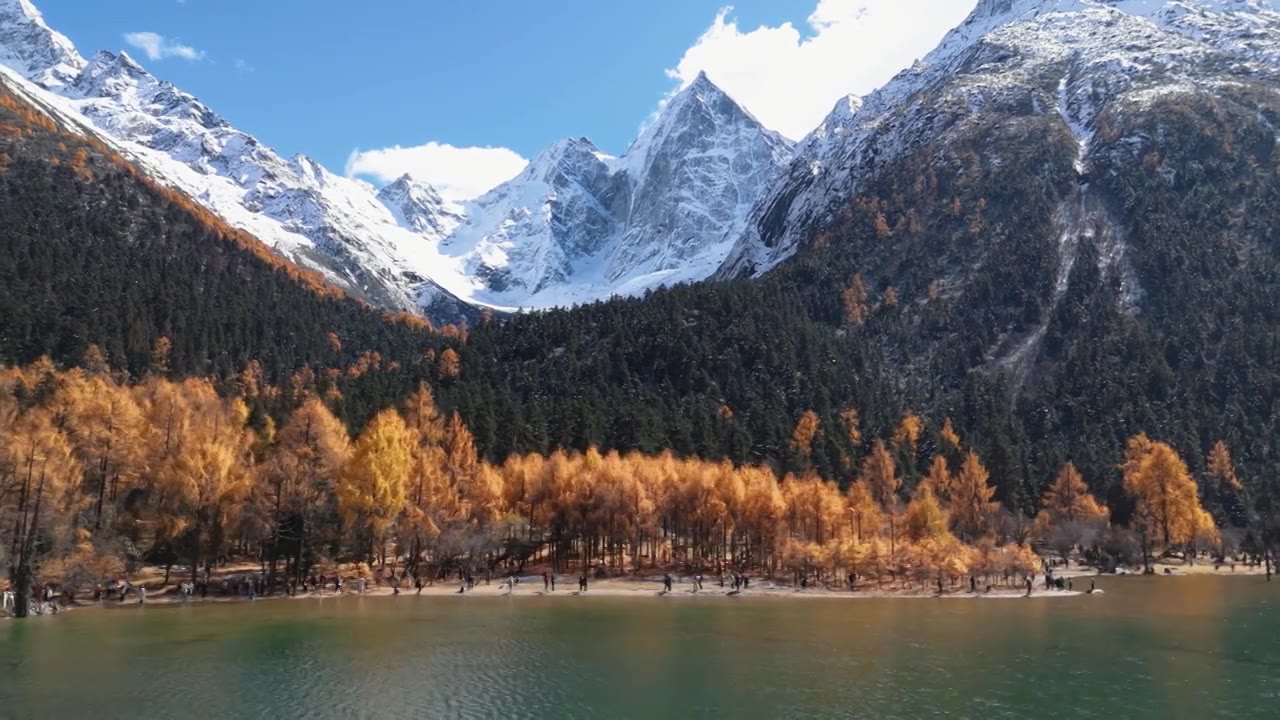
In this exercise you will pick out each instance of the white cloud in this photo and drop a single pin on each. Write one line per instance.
(159, 47)
(790, 79)
(241, 65)
(457, 173)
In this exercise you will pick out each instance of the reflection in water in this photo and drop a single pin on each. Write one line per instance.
(1157, 647)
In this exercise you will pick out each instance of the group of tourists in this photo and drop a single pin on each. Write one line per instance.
(738, 582)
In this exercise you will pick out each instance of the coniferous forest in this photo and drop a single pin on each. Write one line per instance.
(879, 345)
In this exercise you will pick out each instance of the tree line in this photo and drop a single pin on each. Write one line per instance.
(99, 475)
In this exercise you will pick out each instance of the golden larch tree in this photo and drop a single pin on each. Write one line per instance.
(1221, 469)
(1067, 499)
(971, 504)
(807, 428)
(1167, 501)
(881, 476)
(853, 299)
(371, 489)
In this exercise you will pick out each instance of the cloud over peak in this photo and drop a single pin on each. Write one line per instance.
(158, 47)
(789, 78)
(456, 173)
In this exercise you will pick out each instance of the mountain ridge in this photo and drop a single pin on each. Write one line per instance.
(658, 214)
(967, 71)
(400, 246)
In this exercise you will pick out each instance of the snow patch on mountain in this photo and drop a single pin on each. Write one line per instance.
(419, 206)
(1070, 57)
(578, 225)
(33, 49)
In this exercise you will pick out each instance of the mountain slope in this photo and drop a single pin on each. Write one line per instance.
(93, 252)
(335, 225)
(33, 49)
(1063, 61)
(574, 227)
(1064, 215)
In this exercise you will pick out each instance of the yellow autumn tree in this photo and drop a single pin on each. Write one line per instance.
(865, 515)
(940, 480)
(1068, 499)
(907, 436)
(371, 489)
(1167, 502)
(971, 499)
(1221, 469)
(296, 482)
(807, 428)
(104, 423)
(853, 299)
(39, 479)
(881, 476)
(950, 438)
(449, 366)
(925, 517)
(1069, 514)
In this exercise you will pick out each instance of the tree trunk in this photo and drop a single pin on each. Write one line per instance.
(197, 535)
(23, 582)
(102, 490)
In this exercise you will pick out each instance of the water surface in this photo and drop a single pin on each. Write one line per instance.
(1194, 647)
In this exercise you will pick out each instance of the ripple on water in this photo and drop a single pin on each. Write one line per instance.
(1123, 656)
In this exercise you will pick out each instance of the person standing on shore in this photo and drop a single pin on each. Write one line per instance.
(546, 582)
(666, 583)
(582, 582)
(553, 582)
(1029, 586)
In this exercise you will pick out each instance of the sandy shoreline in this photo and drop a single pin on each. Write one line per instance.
(600, 588)
(531, 587)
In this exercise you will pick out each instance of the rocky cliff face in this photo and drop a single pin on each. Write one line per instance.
(578, 225)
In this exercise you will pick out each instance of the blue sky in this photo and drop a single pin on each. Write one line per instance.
(327, 77)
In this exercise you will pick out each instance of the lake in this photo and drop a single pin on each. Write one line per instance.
(1186, 647)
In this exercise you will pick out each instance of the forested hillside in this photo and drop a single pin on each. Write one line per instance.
(94, 253)
(935, 369)
(940, 293)
(1048, 318)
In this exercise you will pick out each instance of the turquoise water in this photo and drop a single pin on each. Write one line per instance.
(1194, 647)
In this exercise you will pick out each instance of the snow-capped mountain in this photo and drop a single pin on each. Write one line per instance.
(577, 225)
(419, 207)
(1072, 58)
(322, 221)
(31, 48)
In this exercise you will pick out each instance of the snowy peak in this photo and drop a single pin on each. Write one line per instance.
(698, 113)
(419, 207)
(838, 122)
(1069, 59)
(33, 49)
(578, 225)
(994, 12)
(568, 159)
(108, 75)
